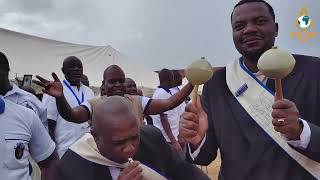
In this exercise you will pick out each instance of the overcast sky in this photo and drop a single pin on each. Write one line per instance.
(157, 33)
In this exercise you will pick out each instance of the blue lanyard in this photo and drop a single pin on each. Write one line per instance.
(253, 76)
(2, 105)
(74, 94)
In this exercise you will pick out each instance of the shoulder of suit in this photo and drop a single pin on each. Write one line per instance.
(312, 60)
(70, 159)
(218, 77)
(307, 64)
(150, 132)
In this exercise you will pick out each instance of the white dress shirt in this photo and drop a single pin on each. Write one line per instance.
(21, 135)
(26, 99)
(67, 133)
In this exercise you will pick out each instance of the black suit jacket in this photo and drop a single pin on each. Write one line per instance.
(247, 152)
(153, 152)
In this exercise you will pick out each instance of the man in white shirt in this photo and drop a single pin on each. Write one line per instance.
(113, 81)
(177, 81)
(167, 122)
(22, 135)
(63, 132)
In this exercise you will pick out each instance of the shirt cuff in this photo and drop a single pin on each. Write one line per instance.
(305, 136)
(87, 105)
(194, 154)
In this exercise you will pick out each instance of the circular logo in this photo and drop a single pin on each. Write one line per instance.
(19, 150)
(304, 22)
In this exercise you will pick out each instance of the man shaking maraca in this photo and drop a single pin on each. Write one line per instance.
(258, 138)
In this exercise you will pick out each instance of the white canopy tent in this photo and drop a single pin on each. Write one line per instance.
(39, 56)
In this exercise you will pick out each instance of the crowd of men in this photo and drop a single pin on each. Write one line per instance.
(73, 135)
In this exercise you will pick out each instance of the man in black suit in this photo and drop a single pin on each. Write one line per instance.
(222, 121)
(115, 137)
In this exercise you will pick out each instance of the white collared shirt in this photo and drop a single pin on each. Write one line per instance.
(26, 99)
(173, 115)
(115, 172)
(66, 132)
(21, 135)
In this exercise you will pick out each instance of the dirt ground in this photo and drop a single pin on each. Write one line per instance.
(213, 169)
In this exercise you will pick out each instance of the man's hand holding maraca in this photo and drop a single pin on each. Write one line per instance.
(285, 116)
(194, 124)
(277, 64)
(194, 121)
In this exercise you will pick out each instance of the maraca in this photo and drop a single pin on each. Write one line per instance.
(197, 73)
(276, 64)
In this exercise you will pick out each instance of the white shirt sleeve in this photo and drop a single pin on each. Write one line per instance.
(144, 102)
(305, 136)
(161, 94)
(87, 104)
(52, 111)
(41, 145)
(89, 93)
(194, 154)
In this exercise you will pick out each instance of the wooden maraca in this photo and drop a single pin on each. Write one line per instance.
(197, 73)
(276, 64)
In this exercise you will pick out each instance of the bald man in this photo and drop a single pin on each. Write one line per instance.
(113, 80)
(167, 122)
(115, 137)
(63, 132)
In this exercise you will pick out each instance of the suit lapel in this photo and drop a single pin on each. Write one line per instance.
(101, 172)
(290, 84)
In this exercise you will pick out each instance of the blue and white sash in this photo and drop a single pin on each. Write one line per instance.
(257, 100)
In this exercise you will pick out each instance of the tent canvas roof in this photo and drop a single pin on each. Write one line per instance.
(39, 56)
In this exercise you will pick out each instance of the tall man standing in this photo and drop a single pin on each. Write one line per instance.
(167, 122)
(238, 115)
(63, 132)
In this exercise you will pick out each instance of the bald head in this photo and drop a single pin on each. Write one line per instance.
(111, 70)
(70, 61)
(109, 108)
(72, 70)
(115, 128)
(114, 79)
